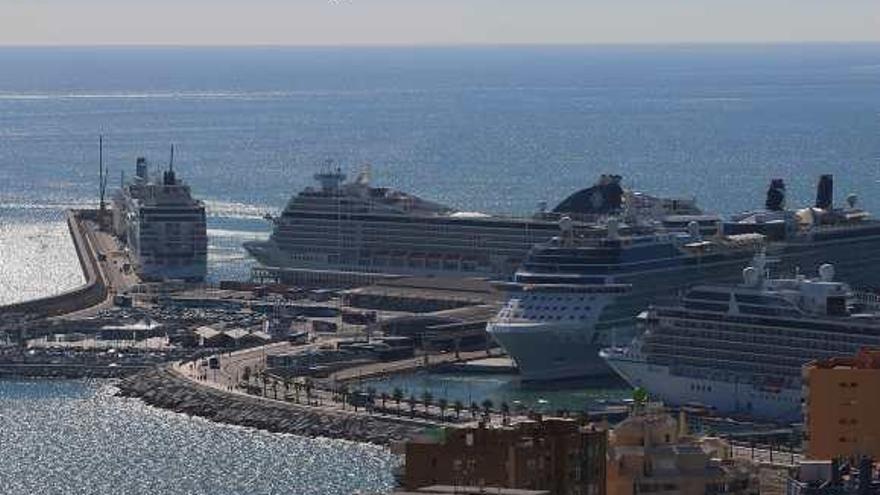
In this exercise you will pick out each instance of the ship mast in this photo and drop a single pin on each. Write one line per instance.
(102, 182)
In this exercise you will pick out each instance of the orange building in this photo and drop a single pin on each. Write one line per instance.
(557, 455)
(842, 406)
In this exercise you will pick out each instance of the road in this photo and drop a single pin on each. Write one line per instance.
(111, 260)
(232, 370)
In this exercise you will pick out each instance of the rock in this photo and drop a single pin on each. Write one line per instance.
(164, 388)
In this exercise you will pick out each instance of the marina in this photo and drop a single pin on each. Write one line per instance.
(282, 303)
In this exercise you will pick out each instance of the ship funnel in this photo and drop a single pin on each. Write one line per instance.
(750, 276)
(141, 168)
(776, 195)
(169, 179)
(825, 192)
(613, 229)
(826, 272)
(851, 200)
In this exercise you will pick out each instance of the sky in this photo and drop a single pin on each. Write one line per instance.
(433, 22)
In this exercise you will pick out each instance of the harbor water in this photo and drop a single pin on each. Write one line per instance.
(75, 437)
(572, 396)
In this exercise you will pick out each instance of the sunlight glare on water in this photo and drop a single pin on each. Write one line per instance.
(73, 437)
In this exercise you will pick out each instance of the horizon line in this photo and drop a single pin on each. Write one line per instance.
(446, 45)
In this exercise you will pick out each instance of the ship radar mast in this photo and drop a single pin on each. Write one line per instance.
(102, 182)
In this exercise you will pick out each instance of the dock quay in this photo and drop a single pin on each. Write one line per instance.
(426, 362)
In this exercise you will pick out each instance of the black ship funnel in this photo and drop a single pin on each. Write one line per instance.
(825, 192)
(169, 179)
(776, 195)
(141, 168)
(606, 196)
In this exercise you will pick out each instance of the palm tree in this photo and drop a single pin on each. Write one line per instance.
(287, 382)
(487, 406)
(474, 410)
(371, 398)
(427, 397)
(457, 406)
(397, 394)
(505, 411)
(308, 387)
(357, 395)
(412, 406)
(442, 404)
(343, 395)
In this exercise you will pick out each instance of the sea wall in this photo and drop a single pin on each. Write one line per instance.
(92, 292)
(167, 389)
(65, 371)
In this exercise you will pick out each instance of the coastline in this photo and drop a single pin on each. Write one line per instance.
(165, 388)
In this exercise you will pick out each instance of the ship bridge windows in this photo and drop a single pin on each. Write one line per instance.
(708, 295)
(705, 306)
(761, 300)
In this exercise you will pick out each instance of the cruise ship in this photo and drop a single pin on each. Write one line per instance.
(356, 227)
(574, 295)
(739, 349)
(162, 226)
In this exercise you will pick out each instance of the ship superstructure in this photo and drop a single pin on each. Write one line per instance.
(554, 344)
(162, 225)
(354, 226)
(574, 296)
(740, 348)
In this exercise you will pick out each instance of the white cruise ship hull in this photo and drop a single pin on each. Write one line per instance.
(267, 253)
(543, 354)
(771, 404)
(553, 349)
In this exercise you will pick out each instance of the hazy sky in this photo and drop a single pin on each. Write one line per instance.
(341, 22)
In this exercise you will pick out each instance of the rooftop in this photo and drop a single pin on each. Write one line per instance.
(866, 359)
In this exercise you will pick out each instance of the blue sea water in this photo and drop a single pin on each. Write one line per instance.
(496, 129)
(75, 437)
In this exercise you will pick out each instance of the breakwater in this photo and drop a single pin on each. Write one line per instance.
(162, 387)
(66, 371)
(92, 292)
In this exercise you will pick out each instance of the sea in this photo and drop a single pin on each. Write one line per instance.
(497, 129)
(77, 438)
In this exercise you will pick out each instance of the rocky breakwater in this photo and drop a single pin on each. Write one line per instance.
(167, 389)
